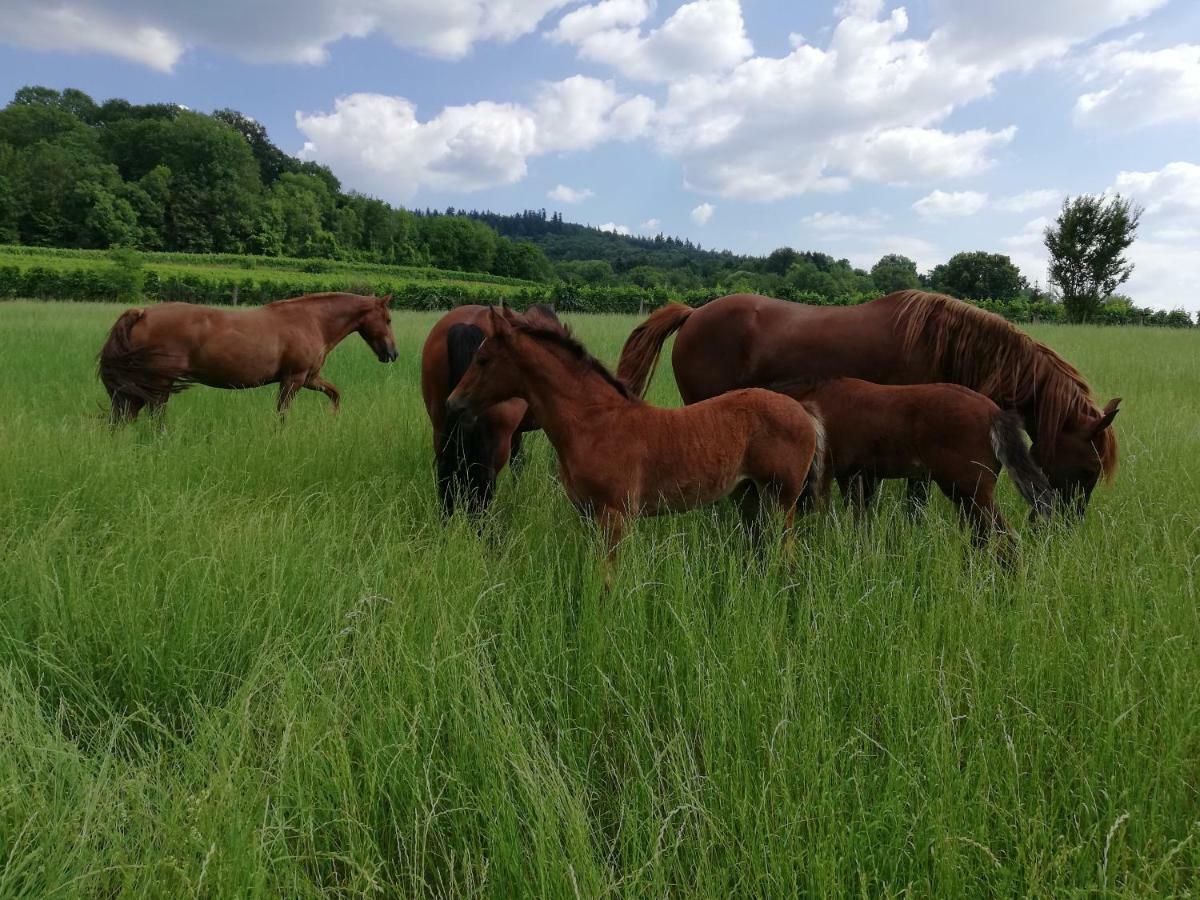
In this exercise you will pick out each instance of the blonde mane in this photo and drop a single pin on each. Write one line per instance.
(982, 351)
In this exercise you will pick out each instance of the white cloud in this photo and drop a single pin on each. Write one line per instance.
(924, 253)
(702, 213)
(1027, 201)
(615, 228)
(564, 194)
(1166, 256)
(376, 142)
(649, 225)
(869, 104)
(701, 36)
(908, 155)
(1141, 88)
(1030, 234)
(157, 32)
(845, 222)
(1174, 189)
(947, 205)
(43, 26)
(1020, 34)
(1166, 275)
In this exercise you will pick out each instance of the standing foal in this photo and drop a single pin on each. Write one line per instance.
(619, 457)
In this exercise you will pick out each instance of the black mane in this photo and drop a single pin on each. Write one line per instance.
(568, 342)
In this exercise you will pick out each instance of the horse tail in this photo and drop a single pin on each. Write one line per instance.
(639, 356)
(464, 459)
(123, 368)
(816, 471)
(1010, 449)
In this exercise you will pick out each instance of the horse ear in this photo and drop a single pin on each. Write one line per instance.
(385, 300)
(498, 319)
(1106, 419)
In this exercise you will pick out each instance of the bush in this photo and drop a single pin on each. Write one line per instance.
(74, 277)
(127, 276)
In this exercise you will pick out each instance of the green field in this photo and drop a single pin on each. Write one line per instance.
(239, 659)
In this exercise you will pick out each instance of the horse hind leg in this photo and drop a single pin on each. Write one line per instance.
(317, 383)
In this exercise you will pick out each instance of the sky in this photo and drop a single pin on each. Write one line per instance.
(858, 127)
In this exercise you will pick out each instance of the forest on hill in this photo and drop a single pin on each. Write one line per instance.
(79, 174)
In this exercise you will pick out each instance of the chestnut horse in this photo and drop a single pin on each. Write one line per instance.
(470, 457)
(157, 351)
(946, 432)
(909, 337)
(620, 458)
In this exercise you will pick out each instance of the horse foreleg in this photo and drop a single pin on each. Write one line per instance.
(317, 383)
(749, 505)
(612, 527)
(515, 459)
(916, 496)
(858, 491)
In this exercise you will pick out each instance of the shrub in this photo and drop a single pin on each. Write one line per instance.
(127, 277)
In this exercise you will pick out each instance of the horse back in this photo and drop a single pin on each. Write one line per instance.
(750, 341)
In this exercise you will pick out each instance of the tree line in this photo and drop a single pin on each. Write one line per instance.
(75, 173)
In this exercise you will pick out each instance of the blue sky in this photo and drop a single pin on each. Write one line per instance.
(859, 127)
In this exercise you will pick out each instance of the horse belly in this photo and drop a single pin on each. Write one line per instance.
(235, 360)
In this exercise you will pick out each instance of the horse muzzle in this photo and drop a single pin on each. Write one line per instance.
(457, 407)
(388, 354)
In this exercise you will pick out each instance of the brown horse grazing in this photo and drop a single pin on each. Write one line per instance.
(158, 351)
(909, 337)
(470, 455)
(618, 457)
(946, 432)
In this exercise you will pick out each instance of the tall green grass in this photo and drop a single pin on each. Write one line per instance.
(238, 659)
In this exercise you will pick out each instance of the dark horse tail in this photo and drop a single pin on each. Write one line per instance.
(464, 461)
(640, 354)
(1009, 446)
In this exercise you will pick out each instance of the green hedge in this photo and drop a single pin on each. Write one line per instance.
(48, 256)
(107, 282)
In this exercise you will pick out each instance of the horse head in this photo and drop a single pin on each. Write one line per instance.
(375, 327)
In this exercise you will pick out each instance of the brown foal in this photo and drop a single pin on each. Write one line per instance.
(620, 458)
(946, 432)
(157, 351)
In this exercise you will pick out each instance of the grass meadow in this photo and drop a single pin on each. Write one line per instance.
(244, 660)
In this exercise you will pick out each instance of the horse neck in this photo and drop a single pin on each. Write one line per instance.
(338, 318)
(565, 402)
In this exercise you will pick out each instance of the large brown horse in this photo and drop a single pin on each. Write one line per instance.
(470, 456)
(154, 352)
(620, 458)
(909, 337)
(946, 432)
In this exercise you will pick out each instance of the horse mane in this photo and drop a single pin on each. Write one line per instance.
(562, 338)
(980, 350)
